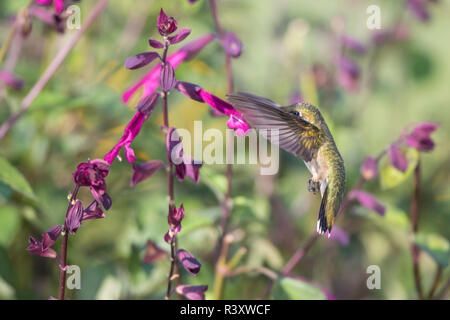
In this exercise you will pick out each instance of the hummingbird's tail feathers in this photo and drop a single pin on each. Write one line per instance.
(322, 223)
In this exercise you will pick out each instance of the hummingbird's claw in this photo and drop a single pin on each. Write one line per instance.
(313, 186)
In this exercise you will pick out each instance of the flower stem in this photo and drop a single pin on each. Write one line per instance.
(437, 278)
(415, 251)
(62, 274)
(51, 69)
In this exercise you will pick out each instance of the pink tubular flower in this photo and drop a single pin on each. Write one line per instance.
(369, 168)
(130, 132)
(368, 201)
(150, 81)
(58, 4)
(43, 248)
(221, 107)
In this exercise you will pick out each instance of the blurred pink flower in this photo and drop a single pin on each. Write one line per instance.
(166, 25)
(397, 158)
(58, 4)
(369, 169)
(420, 139)
(368, 201)
(10, 80)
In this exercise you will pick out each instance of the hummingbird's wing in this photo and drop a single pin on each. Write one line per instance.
(289, 131)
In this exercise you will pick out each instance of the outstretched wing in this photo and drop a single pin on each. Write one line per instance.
(289, 131)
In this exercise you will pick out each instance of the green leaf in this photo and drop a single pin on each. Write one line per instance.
(436, 246)
(293, 289)
(390, 177)
(13, 178)
(396, 217)
(9, 224)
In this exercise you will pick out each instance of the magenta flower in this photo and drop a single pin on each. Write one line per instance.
(231, 44)
(349, 74)
(145, 170)
(340, 236)
(369, 168)
(153, 253)
(74, 217)
(183, 164)
(93, 211)
(180, 36)
(368, 201)
(397, 158)
(131, 131)
(166, 25)
(150, 81)
(192, 292)
(188, 261)
(147, 104)
(196, 93)
(10, 80)
(419, 9)
(92, 174)
(353, 45)
(58, 4)
(174, 219)
(37, 248)
(420, 139)
(52, 20)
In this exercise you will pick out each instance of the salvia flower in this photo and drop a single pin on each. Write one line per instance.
(183, 163)
(74, 217)
(188, 261)
(145, 170)
(197, 93)
(369, 168)
(93, 211)
(368, 201)
(167, 79)
(397, 159)
(92, 174)
(58, 4)
(153, 253)
(166, 25)
(10, 80)
(140, 60)
(192, 292)
(48, 17)
(349, 74)
(174, 219)
(231, 44)
(43, 248)
(147, 104)
(420, 139)
(340, 236)
(353, 45)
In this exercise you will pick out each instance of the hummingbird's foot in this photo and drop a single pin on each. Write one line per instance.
(313, 186)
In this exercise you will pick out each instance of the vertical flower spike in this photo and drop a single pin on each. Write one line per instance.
(397, 158)
(166, 25)
(188, 261)
(369, 168)
(74, 217)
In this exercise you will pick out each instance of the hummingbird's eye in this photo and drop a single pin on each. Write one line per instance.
(296, 113)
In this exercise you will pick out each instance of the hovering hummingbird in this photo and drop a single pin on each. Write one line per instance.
(301, 130)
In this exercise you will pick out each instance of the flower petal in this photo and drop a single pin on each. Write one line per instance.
(167, 79)
(231, 44)
(192, 292)
(140, 60)
(397, 159)
(155, 44)
(368, 200)
(188, 261)
(10, 80)
(145, 170)
(74, 216)
(369, 168)
(180, 36)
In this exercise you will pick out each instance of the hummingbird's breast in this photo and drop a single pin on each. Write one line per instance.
(318, 166)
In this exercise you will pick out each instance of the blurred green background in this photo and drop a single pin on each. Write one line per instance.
(79, 115)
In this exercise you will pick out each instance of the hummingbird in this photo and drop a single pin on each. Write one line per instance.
(301, 130)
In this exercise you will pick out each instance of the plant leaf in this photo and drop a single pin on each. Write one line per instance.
(436, 246)
(14, 179)
(293, 289)
(390, 177)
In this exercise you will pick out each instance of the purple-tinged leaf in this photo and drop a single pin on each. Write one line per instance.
(153, 253)
(147, 104)
(369, 168)
(74, 216)
(167, 79)
(368, 201)
(192, 168)
(49, 238)
(420, 138)
(140, 60)
(155, 44)
(145, 170)
(102, 197)
(188, 261)
(180, 36)
(231, 44)
(397, 159)
(192, 292)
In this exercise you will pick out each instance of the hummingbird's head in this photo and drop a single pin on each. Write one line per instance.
(309, 113)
